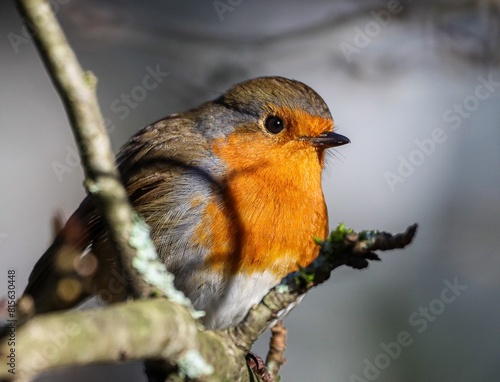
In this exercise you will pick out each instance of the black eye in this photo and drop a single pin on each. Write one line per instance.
(274, 124)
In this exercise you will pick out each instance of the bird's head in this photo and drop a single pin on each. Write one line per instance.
(280, 114)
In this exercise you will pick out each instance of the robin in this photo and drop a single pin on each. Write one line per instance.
(231, 191)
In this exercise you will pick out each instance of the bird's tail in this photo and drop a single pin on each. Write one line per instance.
(62, 278)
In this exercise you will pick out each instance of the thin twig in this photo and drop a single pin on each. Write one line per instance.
(277, 347)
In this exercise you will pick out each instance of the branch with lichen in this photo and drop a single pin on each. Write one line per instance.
(168, 331)
(141, 329)
(77, 90)
(342, 247)
(135, 251)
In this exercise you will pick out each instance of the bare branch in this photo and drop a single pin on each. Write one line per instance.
(146, 329)
(277, 347)
(343, 247)
(77, 91)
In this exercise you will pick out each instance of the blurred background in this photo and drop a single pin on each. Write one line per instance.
(414, 85)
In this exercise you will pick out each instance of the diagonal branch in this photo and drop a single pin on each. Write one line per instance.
(102, 180)
(343, 247)
(77, 91)
(144, 329)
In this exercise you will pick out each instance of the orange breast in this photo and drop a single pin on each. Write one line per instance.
(271, 209)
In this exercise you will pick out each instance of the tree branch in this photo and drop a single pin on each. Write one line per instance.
(343, 247)
(145, 329)
(77, 91)
(136, 253)
(277, 347)
(159, 329)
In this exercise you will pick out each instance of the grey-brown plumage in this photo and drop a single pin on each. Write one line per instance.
(183, 177)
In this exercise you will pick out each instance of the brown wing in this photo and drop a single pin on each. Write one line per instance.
(162, 169)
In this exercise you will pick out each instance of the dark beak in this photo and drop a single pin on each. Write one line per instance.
(329, 139)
